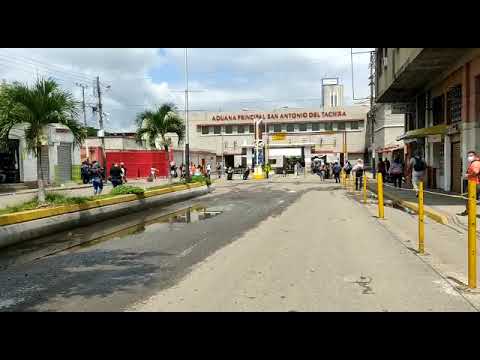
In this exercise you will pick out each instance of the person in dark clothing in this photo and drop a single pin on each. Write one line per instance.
(358, 170)
(116, 175)
(85, 172)
(336, 172)
(381, 168)
(97, 180)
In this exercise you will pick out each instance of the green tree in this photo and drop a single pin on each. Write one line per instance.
(153, 125)
(37, 106)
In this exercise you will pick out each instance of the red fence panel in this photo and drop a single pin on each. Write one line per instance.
(139, 162)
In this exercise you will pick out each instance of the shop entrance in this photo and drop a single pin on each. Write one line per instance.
(229, 161)
(10, 162)
(290, 161)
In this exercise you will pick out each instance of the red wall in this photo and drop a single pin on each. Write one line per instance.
(139, 162)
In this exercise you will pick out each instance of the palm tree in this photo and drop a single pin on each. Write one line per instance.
(152, 125)
(37, 106)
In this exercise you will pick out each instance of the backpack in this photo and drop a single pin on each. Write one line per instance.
(348, 167)
(419, 165)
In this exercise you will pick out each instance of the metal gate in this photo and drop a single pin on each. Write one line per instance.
(64, 167)
(456, 168)
(45, 163)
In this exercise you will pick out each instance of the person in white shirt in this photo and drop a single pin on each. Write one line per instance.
(358, 171)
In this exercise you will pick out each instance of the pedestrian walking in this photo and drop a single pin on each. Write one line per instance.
(417, 168)
(284, 170)
(321, 172)
(124, 172)
(348, 169)
(473, 173)
(115, 175)
(209, 170)
(396, 172)
(230, 173)
(358, 171)
(219, 170)
(85, 172)
(97, 180)
(381, 169)
(336, 172)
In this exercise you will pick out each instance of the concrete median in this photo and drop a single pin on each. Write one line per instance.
(24, 231)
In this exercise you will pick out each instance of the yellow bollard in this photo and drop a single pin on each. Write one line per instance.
(381, 212)
(472, 234)
(364, 188)
(421, 220)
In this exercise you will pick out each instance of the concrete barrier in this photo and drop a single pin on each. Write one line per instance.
(24, 231)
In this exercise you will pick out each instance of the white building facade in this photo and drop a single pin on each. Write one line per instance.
(331, 133)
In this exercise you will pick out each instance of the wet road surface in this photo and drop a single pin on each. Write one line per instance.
(91, 269)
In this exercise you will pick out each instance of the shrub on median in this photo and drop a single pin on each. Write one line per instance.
(127, 189)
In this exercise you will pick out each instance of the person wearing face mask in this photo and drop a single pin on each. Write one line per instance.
(473, 173)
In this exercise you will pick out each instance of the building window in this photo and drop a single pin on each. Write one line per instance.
(354, 125)
(251, 129)
(290, 127)
(240, 129)
(340, 126)
(270, 128)
(328, 126)
(217, 129)
(438, 106)
(302, 127)
(454, 104)
(277, 128)
(244, 151)
(315, 126)
(272, 161)
(205, 130)
(228, 129)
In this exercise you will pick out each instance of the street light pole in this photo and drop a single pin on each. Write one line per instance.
(187, 145)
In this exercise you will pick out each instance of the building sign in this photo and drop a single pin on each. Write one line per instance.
(435, 138)
(60, 130)
(279, 136)
(268, 116)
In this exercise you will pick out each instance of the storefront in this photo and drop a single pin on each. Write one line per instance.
(10, 162)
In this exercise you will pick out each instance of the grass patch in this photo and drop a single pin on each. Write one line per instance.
(55, 199)
(126, 190)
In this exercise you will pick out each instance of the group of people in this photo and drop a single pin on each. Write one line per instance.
(94, 173)
(395, 171)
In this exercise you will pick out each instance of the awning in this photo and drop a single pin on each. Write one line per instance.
(390, 148)
(420, 133)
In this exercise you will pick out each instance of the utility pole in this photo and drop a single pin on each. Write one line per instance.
(372, 107)
(101, 132)
(83, 102)
(187, 141)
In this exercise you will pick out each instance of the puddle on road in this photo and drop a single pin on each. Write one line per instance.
(185, 216)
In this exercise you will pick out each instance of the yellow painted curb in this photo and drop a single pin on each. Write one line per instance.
(432, 214)
(14, 218)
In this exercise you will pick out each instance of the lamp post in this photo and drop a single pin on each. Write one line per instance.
(187, 145)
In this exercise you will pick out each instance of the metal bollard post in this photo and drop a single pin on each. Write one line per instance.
(381, 211)
(364, 188)
(472, 234)
(421, 220)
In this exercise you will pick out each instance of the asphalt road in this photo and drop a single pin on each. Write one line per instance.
(111, 274)
(292, 245)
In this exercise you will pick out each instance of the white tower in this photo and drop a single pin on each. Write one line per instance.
(332, 93)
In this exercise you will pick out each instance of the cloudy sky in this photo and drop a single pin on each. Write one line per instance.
(220, 79)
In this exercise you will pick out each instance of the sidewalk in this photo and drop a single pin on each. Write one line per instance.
(15, 198)
(439, 205)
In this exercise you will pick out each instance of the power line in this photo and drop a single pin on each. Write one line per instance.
(44, 68)
(48, 65)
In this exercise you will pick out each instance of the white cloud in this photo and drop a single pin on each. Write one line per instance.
(232, 78)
